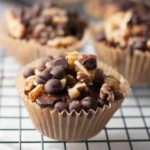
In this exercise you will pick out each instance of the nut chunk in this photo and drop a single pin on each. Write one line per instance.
(15, 27)
(36, 92)
(106, 93)
(75, 91)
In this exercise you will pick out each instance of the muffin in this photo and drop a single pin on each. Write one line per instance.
(105, 8)
(124, 43)
(31, 32)
(68, 96)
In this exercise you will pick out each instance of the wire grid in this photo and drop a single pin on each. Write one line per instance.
(129, 129)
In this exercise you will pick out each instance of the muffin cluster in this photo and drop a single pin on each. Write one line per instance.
(127, 30)
(73, 82)
(48, 24)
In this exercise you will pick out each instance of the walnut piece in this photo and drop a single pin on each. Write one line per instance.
(84, 78)
(59, 19)
(36, 92)
(29, 83)
(16, 29)
(62, 41)
(71, 57)
(113, 83)
(53, 11)
(75, 91)
(106, 93)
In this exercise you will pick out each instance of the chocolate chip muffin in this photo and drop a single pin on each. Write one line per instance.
(105, 8)
(124, 43)
(39, 30)
(65, 95)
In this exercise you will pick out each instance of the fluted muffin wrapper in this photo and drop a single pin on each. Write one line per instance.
(71, 126)
(134, 67)
(26, 51)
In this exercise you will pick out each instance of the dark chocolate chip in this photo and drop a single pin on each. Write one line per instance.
(46, 74)
(89, 103)
(100, 103)
(60, 62)
(90, 64)
(98, 78)
(75, 105)
(53, 86)
(28, 72)
(60, 106)
(40, 80)
(46, 100)
(58, 72)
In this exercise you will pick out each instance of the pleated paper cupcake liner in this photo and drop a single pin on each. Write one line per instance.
(26, 51)
(71, 126)
(135, 68)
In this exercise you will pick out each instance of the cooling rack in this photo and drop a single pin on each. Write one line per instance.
(129, 129)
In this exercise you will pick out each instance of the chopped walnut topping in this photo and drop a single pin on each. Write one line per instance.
(36, 92)
(84, 78)
(74, 92)
(53, 26)
(112, 82)
(14, 25)
(62, 41)
(71, 57)
(29, 83)
(106, 93)
(62, 84)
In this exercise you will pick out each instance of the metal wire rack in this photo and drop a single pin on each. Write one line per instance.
(129, 129)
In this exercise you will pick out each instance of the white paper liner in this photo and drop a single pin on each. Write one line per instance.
(72, 126)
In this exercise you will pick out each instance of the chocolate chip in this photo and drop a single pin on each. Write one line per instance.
(98, 78)
(75, 105)
(46, 74)
(47, 100)
(28, 72)
(40, 80)
(100, 103)
(60, 62)
(58, 72)
(60, 106)
(89, 103)
(53, 86)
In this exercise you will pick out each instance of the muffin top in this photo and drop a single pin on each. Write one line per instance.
(73, 82)
(127, 30)
(48, 24)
